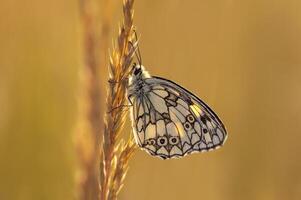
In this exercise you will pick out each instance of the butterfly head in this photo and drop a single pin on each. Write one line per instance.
(137, 69)
(138, 72)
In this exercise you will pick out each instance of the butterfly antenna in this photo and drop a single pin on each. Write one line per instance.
(136, 54)
(138, 49)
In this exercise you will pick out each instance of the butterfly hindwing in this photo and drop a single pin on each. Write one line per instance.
(169, 121)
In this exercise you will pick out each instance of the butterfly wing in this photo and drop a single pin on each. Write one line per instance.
(169, 121)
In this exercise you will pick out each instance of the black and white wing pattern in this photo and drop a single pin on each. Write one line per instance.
(169, 121)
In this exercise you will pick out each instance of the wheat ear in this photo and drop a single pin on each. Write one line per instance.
(115, 153)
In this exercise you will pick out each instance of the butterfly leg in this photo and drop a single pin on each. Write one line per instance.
(129, 99)
(113, 82)
(122, 106)
(119, 107)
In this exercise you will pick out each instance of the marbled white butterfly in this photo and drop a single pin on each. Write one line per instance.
(168, 120)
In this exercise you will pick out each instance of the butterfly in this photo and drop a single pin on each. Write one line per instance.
(168, 121)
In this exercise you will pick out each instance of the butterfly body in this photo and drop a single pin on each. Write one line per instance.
(169, 121)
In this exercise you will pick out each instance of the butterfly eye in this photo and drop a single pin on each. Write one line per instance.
(162, 141)
(173, 140)
(205, 130)
(187, 126)
(137, 70)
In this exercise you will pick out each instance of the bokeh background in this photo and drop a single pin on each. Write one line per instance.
(241, 57)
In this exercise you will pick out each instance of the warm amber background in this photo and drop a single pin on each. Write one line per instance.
(242, 57)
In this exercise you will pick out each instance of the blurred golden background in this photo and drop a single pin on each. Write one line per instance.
(241, 57)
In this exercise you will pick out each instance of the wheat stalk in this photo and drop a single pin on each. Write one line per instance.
(115, 153)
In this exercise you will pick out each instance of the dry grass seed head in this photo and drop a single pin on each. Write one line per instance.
(116, 155)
